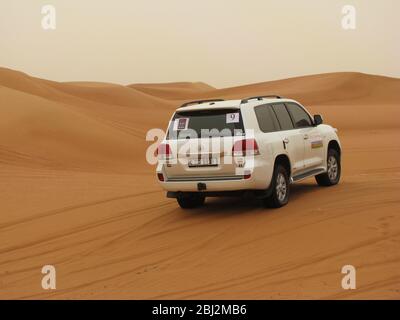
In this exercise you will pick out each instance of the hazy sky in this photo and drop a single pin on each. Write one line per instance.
(223, 43)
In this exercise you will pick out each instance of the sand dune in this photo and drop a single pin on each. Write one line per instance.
(77, 193)
(176, 90)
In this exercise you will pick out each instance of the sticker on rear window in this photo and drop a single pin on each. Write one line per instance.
(181, 124)
(232, 117)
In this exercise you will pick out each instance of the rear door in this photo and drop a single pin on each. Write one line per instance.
(292, 138)
(202, 142)
(313, 141)
(271, 140)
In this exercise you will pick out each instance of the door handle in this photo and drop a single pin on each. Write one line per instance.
(286, 140)
(305, 136)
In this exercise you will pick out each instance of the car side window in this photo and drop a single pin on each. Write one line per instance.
(300, 118)
(266, 118)
(283, 116)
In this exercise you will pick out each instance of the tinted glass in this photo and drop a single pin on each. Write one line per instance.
(206, 123)
(300, 118)
(266, 118)
(283, 116)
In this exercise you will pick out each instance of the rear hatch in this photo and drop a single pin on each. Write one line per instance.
(201, 143)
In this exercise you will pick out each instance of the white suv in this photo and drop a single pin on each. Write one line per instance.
(259, 145)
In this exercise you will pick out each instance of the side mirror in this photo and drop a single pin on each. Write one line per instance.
(318, 119)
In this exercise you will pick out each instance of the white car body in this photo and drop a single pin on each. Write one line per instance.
(305, 148)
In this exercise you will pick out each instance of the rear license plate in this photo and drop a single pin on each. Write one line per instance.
(203, 162)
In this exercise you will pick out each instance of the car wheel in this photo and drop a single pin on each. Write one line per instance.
(280, 189)
(190, 200)
(332, 175)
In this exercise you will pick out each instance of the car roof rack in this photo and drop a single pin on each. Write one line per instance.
(199, 102)
(260, 98)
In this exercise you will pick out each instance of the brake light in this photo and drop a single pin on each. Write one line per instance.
(160, 176)
(164, 151)
(245, 147)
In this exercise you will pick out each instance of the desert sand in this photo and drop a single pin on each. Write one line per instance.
(76, 192)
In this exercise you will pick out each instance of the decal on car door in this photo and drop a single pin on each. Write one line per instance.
(317, 143)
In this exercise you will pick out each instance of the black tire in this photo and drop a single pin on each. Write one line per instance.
(190, 200)
(276, 199)
(332, 176)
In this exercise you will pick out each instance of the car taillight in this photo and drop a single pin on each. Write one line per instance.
(164, 151)
(160, 176)
(247, 175)
(245, 147)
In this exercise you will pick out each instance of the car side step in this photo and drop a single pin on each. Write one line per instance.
(307, 174)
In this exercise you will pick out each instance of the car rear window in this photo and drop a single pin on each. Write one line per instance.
(206, 123)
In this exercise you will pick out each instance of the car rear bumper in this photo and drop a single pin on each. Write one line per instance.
(207, 184)
(259, 180)
(260, 170)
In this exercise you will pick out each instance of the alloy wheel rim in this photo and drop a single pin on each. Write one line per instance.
(332, 168)
(281, 187)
